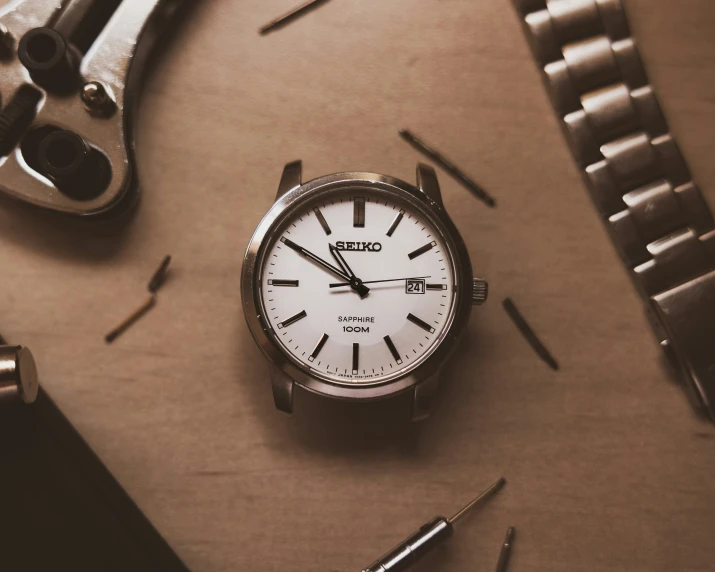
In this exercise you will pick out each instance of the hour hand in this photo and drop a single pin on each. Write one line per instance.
(355, 283)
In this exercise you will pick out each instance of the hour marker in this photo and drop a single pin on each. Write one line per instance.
(395, 222)
(359, 212)
(436, 286)
(318, 347)
(283, 282)
(422, 249)
(424, 325)
(322, 221)
(356, 358)
(393, 350)
(292, 320)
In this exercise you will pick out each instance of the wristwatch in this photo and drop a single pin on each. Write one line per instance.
(637, 177)
(357, 286)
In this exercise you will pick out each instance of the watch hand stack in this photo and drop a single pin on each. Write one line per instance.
(345, 273)
(355, 283)
(339, 284)
(290, 244)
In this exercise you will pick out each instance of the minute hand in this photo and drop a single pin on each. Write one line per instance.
(290, 244)
(338, 284)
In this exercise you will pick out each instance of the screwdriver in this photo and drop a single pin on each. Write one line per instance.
(427, 537)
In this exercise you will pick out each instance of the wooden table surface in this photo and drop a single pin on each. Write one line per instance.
(608, 468)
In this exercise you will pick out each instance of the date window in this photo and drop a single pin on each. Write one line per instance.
(415, 286)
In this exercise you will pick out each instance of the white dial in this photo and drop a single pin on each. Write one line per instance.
(357, 286)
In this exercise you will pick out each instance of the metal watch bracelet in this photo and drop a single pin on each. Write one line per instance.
(635, 173)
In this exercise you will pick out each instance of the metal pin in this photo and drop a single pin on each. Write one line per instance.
(529, 334)
(505, 551)
(290, 16)
(157, 280)
(448, 166)
(486, 494)
(138, 313)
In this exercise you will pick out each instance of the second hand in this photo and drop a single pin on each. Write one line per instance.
(338, 284)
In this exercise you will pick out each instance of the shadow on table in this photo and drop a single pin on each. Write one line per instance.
(61, 236)
(342, 428)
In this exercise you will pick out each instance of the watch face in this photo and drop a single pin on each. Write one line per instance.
(357, 284)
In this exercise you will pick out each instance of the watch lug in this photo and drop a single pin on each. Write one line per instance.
(282, 389)
(428, 183)
(423, 397)
(292, 178)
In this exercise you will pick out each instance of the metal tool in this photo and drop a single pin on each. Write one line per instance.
(18, 374)
(528, 333)
(427, 537)
(69, 73)
(448, 166)
(159, 277)
(294, 14)
(148, 304)
(505, 551)
(156, 282)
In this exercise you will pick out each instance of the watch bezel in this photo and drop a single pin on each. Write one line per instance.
(265, 336)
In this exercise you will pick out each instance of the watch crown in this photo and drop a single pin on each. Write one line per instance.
(18, 374)
(480, 291)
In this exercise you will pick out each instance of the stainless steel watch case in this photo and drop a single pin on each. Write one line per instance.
(287, 373)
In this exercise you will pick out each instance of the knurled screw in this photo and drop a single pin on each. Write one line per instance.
(480, 291)
(96, 98)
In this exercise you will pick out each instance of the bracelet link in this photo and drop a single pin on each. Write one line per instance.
(686, 318)
(676, 258)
